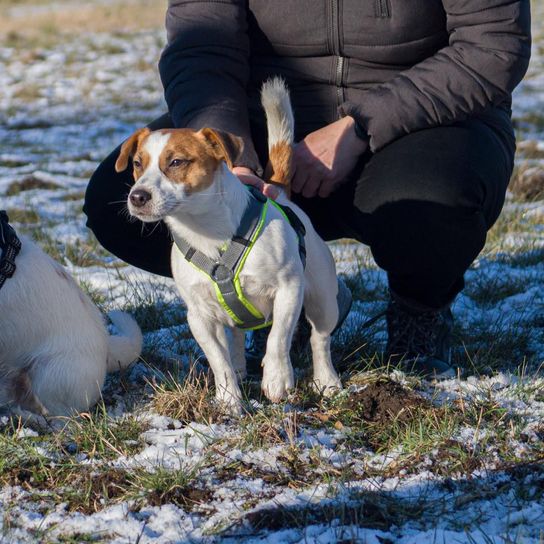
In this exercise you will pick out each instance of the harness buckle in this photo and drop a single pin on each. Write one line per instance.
(220, 273)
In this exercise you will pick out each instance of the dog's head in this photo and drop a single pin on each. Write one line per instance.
(174, 168)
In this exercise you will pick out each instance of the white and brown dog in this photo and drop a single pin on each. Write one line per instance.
(183, 177)
(54, 347)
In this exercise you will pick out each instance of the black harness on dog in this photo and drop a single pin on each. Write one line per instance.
(10, 245)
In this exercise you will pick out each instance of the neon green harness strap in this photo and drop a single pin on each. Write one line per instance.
(225, 272)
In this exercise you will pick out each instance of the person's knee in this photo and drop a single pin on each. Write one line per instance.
(458, 186)
(427, 238)
(457, 166)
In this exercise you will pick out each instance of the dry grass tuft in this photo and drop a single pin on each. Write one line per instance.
(188, 400)
(527, 183)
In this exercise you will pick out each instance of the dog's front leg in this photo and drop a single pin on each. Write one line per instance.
(278, 375)
(212, 338)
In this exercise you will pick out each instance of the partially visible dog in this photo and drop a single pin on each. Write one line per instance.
(183, 177)
(54, 346)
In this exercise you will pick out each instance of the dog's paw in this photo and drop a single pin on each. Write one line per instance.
(229, 403)
(327, 385)
(276, 385)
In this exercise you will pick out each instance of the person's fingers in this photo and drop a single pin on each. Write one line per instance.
(311, 187)
(271, 191)
(326, 188)
(267, 189)
(299, 179)
(300, 173)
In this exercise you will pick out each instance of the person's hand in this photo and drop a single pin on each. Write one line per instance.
(247, 176)
(323, 160)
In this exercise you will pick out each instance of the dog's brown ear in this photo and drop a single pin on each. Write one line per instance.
(227, 146)
(129, 148)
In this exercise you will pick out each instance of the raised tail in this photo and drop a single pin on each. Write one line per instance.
(281, 132)
(125, 348)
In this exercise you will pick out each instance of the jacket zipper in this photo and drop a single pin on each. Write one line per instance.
(335, 44)
(382, 8)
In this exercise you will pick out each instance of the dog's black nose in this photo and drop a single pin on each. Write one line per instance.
(139, 197)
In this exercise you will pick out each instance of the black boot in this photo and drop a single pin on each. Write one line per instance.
(255, 350)
(256, 346)
(419, 339)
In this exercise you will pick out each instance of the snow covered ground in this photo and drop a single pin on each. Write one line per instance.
(392, 459)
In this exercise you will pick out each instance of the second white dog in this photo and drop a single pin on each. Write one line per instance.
(54, 346)
(183, 177)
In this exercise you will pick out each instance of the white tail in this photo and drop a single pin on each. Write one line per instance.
(126, 348)
(279, 113)
(281, 133)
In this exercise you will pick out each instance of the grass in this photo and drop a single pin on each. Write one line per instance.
(97, 436)
(53, 25)
(187, 399)
(394, 429)
(166, 486)
(335, 455)
(513, 221)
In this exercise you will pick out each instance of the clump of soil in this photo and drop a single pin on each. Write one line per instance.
(384, 401)
(29, 183)
(528, 184)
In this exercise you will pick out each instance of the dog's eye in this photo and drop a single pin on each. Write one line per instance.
(137, 164)
(179, 162)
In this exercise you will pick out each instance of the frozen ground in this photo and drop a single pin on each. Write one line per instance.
(391, 460)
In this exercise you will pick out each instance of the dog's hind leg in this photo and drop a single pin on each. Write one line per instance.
(25, 396)
(278, 377)
(321, 310)
(17, 396)
(70, 382)
(212, 338)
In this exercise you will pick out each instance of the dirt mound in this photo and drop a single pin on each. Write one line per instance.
(384, 401)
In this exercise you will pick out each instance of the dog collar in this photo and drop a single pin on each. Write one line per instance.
(224, 272)
(10, 245)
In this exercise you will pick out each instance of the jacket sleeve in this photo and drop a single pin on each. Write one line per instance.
(487, 56)
(205, 68)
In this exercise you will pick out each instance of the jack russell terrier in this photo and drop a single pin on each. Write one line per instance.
(227, 260)
(54, 347)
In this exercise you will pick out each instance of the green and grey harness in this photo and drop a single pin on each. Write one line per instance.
(225, 271)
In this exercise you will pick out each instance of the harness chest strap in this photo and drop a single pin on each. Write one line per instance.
(10, 245)
(225, 272)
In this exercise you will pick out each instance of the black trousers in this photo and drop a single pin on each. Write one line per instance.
(423, 204)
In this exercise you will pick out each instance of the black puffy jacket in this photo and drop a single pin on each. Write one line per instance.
(397, 66)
